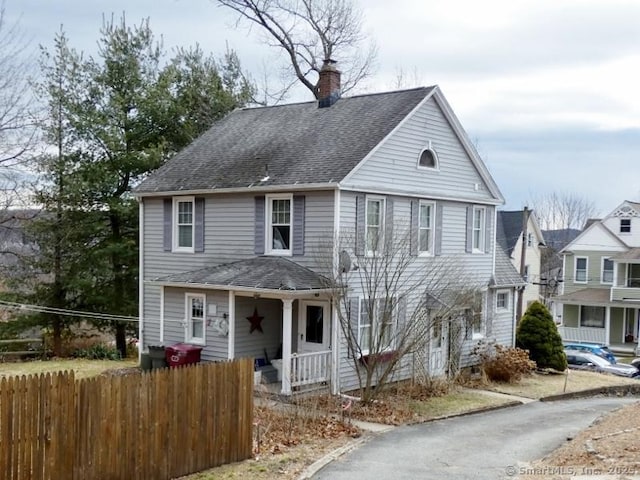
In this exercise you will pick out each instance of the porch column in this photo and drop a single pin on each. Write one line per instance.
(607, 325)
(287, 313)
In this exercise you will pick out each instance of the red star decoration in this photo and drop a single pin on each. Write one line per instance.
(255, 321)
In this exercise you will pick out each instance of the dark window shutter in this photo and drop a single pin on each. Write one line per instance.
(361, 206)
(437, 237)
(298, 224)
(488, 223)
(388, 227)
(415, 227)
(469, 241)
(168, 224)
(400, 334)
(352, 332)
(259, 225)
(198, 245)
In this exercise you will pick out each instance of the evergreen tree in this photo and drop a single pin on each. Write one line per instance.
(113, 119)
(538, 334)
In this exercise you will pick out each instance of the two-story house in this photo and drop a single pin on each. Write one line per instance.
(233, 228)
(600, 294)
(519, 234)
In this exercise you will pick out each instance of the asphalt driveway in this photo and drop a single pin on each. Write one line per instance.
(489, 445)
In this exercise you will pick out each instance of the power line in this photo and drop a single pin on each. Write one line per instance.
(14, 306)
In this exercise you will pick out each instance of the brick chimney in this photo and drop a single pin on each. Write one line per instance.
(328, 84)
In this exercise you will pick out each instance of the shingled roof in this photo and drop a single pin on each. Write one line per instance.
(285, 145)
(506, 274)
(509, 229)
(262, 273)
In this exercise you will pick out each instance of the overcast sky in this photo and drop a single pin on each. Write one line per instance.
(546, 89)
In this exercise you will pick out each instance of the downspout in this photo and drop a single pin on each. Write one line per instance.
(335, 318)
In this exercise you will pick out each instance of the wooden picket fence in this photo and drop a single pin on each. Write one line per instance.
(156, 425)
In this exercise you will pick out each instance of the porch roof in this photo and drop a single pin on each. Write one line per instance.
(632, 256)
(267, 274)
(593, 297)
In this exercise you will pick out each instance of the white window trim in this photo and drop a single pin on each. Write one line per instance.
(483, 224)
(373, 325)
(269, 250)
(435, 159)
(625, 233)
(602, 271)
(507, 300)
(175, 229)
(575, 270)
(429, 252)
(382, 200)
(187, 310)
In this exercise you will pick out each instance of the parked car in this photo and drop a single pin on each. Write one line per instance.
(636, 363)
(581, 360)
(595, 348)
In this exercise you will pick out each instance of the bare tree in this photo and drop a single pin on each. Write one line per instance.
(390, 305)
(311, 31)
(17, 128)
(562, 210)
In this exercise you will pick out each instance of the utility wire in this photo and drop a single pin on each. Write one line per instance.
(65, 312)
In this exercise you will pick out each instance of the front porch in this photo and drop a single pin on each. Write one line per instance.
(615, 324)
(269, 308)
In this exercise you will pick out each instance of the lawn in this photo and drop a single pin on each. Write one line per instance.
(82, 368)
(540, 385)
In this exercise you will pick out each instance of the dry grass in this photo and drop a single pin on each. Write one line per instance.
(82, 368)
(538, 385)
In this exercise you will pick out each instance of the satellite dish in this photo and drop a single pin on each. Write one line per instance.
(344, 262)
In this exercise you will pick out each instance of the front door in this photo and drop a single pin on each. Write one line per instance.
(313, 326)
(438, 352)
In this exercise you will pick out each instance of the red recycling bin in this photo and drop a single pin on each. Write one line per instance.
(182, 354)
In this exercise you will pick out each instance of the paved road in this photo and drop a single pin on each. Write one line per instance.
(481, 446)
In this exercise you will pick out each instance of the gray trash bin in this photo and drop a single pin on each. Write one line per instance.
(157, 355)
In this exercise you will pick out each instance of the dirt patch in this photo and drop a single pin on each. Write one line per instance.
(609, 446)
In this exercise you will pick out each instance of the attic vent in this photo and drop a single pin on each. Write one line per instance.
(428, 158)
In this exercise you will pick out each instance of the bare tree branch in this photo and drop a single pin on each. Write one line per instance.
(311, 31)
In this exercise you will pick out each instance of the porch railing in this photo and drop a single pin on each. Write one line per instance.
(582, 334)
(310, 368)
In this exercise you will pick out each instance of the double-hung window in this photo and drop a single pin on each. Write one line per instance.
(183, 225)
(195, 318)
(502, 300)
(607, 271)
(425, 228)
(625, 225)
(478, 229)
(376, 325)
(279, 216)
(374, 225)
(580, 274)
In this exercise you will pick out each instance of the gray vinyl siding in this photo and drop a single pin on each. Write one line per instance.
(455, 177)
(254, 344)
(230, 233)
(174, 321)
(502, 321)
(151, 319)
(594, 271)
(476, 267)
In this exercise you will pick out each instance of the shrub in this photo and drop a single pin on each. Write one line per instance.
(97, 351)
(503, 364)
(538, 334)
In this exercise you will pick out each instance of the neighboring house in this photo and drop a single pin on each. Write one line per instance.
(600, 296)
(232, 225)
(523, 243)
